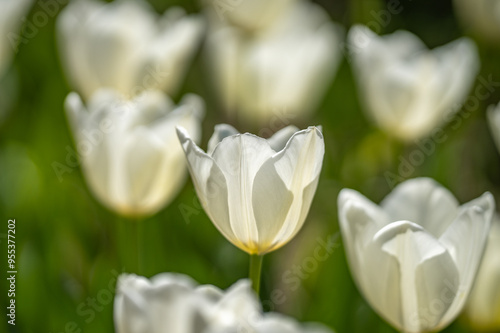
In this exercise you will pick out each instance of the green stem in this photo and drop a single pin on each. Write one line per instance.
(140, 245)
(255, 271)
(131, 245)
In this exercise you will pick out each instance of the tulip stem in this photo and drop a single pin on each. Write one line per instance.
(255, 271)
(140, 245)
(132, 245)
(132, 240)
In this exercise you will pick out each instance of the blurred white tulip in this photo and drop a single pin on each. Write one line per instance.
(10, 23)
(124, 45)
(174, 303)
(407, 89)
(415, 257)
(130, 154)
(257, 192)
(280, 73)
(483, 308)
(252, 16)
(482, 17)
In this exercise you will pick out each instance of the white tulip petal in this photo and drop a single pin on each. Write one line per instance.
(136, 320)
(271, 201)
(76, 113)
(426, 273)
(239, 300)
(144, 160)
(221, 132)
(114, 46)
(210, 292)
(277, 323)
(360, 219)
(465, 239)
(194, 103)
(154, 107)
(299, 166)
(171, 175)
(288, 70)
(483, 308)
(493, 114)
(224, 49)
(72, 44)
(169, 55)
(240, 157)
(368, 49)
(459, 62)
(279, 139)
(188, 116)
(210, 185)
(94, 156)
(256, 14)
(162, 304)
(424, 202)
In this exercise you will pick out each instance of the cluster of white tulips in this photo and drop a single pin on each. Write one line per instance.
(414, 257)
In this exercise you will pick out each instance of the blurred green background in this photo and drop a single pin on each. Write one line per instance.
(69, 246)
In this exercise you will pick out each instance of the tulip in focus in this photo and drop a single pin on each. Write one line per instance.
(483, 308)
(257, 192)
(415, 257)
(407, 89)
(281, 72)
(130, 154)
(124, 45)
(174, 303)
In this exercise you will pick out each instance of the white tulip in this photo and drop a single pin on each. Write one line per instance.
(407, 89)
(174, 303)
(252, 15)
(493, 115)
(130, 154)
(481, 17)
(483, 308)
(282, 72)
(125, 46)
(10, 22)
(415, 257)
(257, 192)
